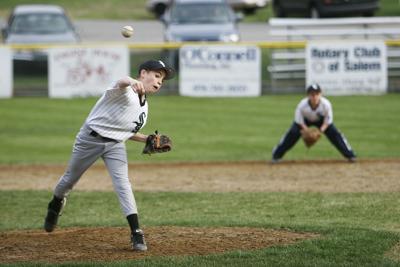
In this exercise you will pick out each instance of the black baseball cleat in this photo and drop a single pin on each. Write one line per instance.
(138, 242)
(54, 210)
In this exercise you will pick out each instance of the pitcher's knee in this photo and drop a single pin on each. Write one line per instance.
(124, 186)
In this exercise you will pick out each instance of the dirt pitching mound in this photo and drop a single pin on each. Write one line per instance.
(112, 244)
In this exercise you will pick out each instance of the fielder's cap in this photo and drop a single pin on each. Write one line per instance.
(314, 88)
(158, 65)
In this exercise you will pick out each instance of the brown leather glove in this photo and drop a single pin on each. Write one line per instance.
(157, 143)
(310, 136)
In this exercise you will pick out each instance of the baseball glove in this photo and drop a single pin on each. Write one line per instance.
(310, 136)
(157, 143)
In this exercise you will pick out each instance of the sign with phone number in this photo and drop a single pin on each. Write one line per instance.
(220, 70)
(348, 67)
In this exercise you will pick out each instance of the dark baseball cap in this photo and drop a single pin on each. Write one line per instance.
(158, 65)
(314, 88)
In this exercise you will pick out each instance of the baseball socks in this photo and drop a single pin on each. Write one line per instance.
(137, 236)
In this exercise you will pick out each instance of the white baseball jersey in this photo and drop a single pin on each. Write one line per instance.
(304, 111)
(118, 114)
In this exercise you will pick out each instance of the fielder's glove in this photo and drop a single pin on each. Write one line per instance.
(157, 143)
(310, 136)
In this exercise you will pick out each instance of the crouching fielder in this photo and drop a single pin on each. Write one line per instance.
(313, 110)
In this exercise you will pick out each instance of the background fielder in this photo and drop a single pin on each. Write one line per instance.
(313, 110)
(117, 116)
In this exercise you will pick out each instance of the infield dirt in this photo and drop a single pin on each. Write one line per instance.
(287, 176)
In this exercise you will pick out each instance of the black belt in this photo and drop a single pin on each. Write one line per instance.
(95, 134)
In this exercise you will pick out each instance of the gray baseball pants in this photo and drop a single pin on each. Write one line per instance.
(86, 150)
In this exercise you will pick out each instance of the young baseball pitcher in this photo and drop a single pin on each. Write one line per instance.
(117, 116)
(313, 110)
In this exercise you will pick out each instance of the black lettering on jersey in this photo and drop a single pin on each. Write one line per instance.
(142, 100)
(139, 123)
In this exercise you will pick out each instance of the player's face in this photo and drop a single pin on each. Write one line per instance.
(314, 98)
(152, 80)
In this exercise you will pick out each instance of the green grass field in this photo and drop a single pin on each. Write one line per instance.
(38, 130)
(358, 229)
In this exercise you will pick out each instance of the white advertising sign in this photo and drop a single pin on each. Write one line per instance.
(220, 70)
(347, 67)
(6, 73)
(82, 71)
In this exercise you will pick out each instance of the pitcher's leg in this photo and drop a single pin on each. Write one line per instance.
(287, 142)
(84, 154)
(340, 142)
(117, 164)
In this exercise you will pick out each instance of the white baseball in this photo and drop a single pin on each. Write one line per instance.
(127, 31)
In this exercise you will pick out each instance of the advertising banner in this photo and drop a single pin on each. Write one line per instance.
(82, 71)
(220, 70)
(6, 73)
(347, 67)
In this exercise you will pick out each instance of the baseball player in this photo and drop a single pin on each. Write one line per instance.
(117, 116)
(313, 110)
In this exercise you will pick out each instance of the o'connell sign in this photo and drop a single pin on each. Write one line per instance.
(220, 70)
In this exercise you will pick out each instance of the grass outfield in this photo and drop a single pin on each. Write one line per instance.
(357, 229)
(41, 130)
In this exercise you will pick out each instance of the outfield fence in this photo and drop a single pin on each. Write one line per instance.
(31, 78)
